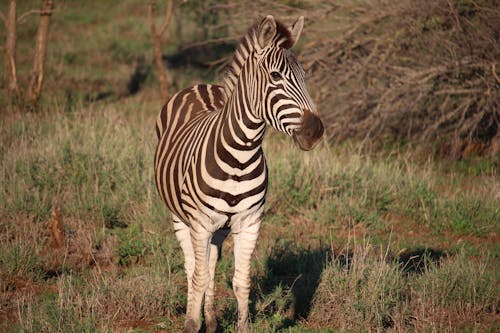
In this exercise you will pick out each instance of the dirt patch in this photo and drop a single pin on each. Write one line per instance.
(403, 228)
(138, 324)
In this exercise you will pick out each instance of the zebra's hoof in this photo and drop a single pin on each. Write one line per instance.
(211, 325)
(191, 326)
(243, 327)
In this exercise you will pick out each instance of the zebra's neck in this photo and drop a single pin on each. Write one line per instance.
(244, 49)
(241, 133)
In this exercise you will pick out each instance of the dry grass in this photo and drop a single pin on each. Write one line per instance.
(361, 290)
(120, 265)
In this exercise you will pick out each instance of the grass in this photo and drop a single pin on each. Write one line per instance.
(369, 291)
(339, 227)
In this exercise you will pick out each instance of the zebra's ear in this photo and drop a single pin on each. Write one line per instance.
(267, 31)
(296, 29)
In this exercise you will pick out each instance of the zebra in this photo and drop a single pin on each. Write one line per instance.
(210, 169)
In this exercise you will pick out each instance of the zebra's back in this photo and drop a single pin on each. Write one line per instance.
(187, 105)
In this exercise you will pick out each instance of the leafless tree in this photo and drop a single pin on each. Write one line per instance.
(35, 87)
(156, 36)
(10, 21)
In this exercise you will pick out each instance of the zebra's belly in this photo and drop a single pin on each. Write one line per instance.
(214, 220)
(224, 204)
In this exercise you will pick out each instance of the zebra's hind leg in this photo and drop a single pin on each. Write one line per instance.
(184, 237)
(200, 239)
(215, 248)
(244, 244)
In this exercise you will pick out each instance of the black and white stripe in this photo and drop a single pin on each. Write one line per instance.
(210, 169)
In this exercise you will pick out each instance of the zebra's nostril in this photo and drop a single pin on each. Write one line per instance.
(310, 131)
(312, 126)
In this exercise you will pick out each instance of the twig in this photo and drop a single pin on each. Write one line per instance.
(217, 61)
(2, 17)
(168, 17)
(458, 91)
(29, 12)
(494, 72)
(214, 40)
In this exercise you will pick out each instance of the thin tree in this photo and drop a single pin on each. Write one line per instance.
(36, 83)
(156, 36)
(10, 22)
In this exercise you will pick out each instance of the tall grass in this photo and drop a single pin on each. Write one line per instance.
(332, 252)
(329, 185)
(94, 160)
(362, 291)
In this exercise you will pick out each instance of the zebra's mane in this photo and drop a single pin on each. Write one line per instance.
(247, 44)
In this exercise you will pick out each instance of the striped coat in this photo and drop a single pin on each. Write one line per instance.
(210, 169)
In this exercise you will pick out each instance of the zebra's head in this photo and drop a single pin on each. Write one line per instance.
(285, 104)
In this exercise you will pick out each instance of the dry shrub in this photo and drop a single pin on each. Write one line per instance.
(423, 72)
(37, 256)
(417, 71)
(29, 255)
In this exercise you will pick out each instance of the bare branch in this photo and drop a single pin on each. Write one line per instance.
(168, 17)
(29, 12)
(494, 72)
(156, 42)
(10, 53)
(458, 91)
(214, 41)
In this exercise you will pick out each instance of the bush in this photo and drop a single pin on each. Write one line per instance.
(416, 71)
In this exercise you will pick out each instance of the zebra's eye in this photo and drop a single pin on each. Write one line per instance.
(276, 75)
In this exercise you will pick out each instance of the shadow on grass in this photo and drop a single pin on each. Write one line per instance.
(291, 278)
(417, 260)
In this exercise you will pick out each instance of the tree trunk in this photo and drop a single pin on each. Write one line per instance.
(10, 54)
(36, 83)
(161, 71)
(160, 67)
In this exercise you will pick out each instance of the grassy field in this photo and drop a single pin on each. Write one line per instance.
(352, 240)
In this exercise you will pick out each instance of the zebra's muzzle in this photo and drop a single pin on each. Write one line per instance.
(310, 132)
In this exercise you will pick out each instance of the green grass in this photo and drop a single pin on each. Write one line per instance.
(86, 165)
(366, 292)
(334, 223)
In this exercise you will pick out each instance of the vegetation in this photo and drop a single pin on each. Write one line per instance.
(388, 239)
(413, 71)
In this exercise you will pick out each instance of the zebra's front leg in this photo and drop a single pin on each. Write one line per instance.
(200, 239)
(215, 247)
(244, 244)
(184, 237)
